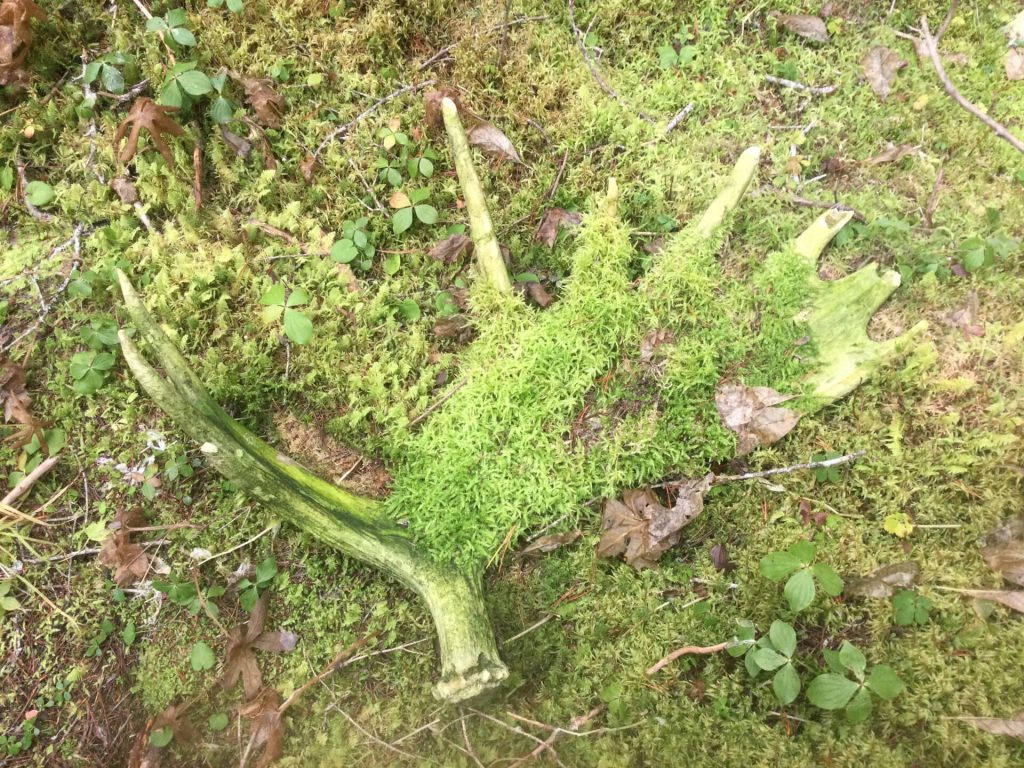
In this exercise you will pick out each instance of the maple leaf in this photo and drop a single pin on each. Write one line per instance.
(146, 113)
(267, 728)
(243, 640)
(641, 528)
(16, 37)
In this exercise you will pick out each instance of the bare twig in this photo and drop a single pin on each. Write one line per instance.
(536, 625)
(26, 483)
(686, 650)
(366, 186)
(823, 90)
(580, 37)
(573, 730)
(681, 115)
(197, 167)
(823, 464)
(542, 744)
(933, 198)
(437, 404)
(945, 22)
(245, 543)
(933, 53)
(128, 95)
(342, 131)
(338, 662)
(378, 741)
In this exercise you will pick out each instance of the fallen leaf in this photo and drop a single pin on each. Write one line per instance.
(554, 219)
(452, 248)
(893, 154)
(1009, 598)
(267, 103)
(720, 558)
(810, 27)
(145, 754)
(966, 318)
(267, 729)
(241, 147)
(539, 294)
(659, 337)
(15, 399)
(880, 65)
(641, 528)
(883, 582)
(1015, 64)
(125, 190)
(1013, 727)
(128, 561)
(551, 543)
(307, 167)
(491, 141)
(1004, 550)
(750, 412)
(16, 38)
(243, 640)
(146, 113)
(399, 199)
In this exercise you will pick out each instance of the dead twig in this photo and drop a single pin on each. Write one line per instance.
(197, 167)
(542, 744)
(437, 404)
(573, 730)
(376, 740)
(681, 115)
(805, 203)
(536, 625)
(580, 36)
(338, 662)
(506, 25)
(823, 90)
(823, 464)
(933, 198)
(686, 650)
(26, 483)
(933, 53)
(945, 22)
(343, 130)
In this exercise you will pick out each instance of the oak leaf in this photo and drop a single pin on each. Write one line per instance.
(555, 219)
(452, 248)
(491, 141)
(146, 113)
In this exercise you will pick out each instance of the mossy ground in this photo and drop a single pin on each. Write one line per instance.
(942, 434)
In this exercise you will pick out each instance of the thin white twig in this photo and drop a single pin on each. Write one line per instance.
(343, 130)
(823, 90)
(246, 543)
(681, 115)
(823, 464)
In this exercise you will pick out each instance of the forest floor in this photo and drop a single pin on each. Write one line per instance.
(375, 331)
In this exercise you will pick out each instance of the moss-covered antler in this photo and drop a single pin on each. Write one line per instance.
(496, 459)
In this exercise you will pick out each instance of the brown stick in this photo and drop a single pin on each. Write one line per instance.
(686, 650)
(933, 199)
(29, 480)
(933, 53)
(197, 168)
(338, 661)
(577, 722)
(945, 22)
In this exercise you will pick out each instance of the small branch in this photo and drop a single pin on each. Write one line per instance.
(26, 483)
(580, 37)
(437, 404)
(933, 53)
(787, 470)
(497, 27)
(681, 115)
(824, 90)
(343, 130)
(577, 722)
(933, 199)
(805, 203)
(686, 650)
(945, 22)
(379, 742)
(542, 744)
(259, 535)
(536, 625)
(338, 662)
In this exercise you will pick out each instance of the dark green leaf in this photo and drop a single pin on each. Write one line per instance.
(266, 570)
(767, 659)
(402, 220)
(799, 590)
(830, 691)
(884, 682)
(778, 565)
(783, 637)
(786, 684)
(828, 579)
(195, 83)
(859, 709)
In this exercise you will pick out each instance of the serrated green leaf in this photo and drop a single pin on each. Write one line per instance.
(859, 710)
(248, 598)
(767, 659)
(409, 310)
(884, 682)
(170, 95)
(92, 70)
(853, 659)
(128, 633)
(113, 80)
(786, 684)
(828, 579)
(783, 637)
(222, 110)
(402, 220)
(799, 590)
(235, 6)
(829, 691)
(176, 17)
(297, 326)
(778, 565)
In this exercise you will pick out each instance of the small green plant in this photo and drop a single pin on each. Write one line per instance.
(978, 253)
(677, 53)
(235, 6)
(445, 304)
(95, 644)
(107, 70)
(183, 84)
(771, 653)
(835, 690)
(161, 737)
(422, 166)
(409, 207)
(826, 474)
(201, 657)
(8, 602)
(249, 591)
(218, 721)
(899, 524)
(910, 608)
(355, 245)
(15, 745)
(185, 594)
(278, 307)
(796, 563)
(89, 370)
(222, 109)
(409, 310)
(100, 333)
(173, 28)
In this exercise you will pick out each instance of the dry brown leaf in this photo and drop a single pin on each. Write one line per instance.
(893, 154)
(1004, 550)
(266, 102)
(750, 412)
(554, 219)
(125, 190)
(551, 543)
(641, 528)
(810, 27)
(243, 639)
(129, 561)
(652, 341)
(720, 558)
(241, 147)
(267, 729)
(452, 248)
(399, 199)
(883, 582)
(491, 141)
(966, 318)
(15, 399)
(454, 327)
(307, 168)
(880, 65)
(1013, 727)
(146, 113)
(1015, 64)
(1010, 598)
(16, 38)
(143, 754)
(539, 294)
